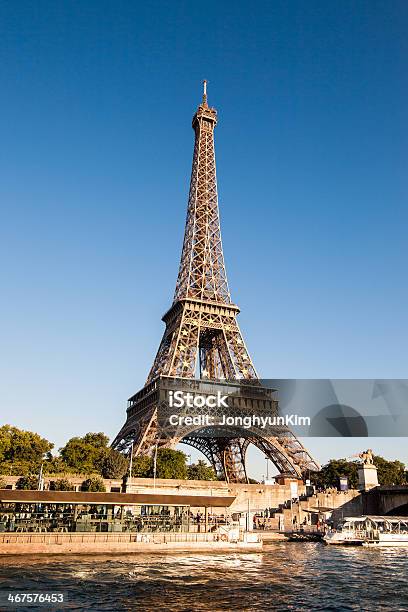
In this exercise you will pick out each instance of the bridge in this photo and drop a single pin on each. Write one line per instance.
(392, 500)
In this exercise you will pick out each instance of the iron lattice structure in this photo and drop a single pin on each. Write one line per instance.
(202, 340)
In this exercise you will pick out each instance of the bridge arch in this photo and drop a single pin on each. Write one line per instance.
(399, 510)
(387, 500)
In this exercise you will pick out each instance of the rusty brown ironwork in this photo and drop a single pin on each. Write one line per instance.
(202, 339)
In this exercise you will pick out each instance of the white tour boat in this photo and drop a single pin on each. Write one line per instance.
(370, 531)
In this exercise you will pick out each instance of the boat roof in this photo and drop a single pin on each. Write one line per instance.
(117, 499)
(314, 509)
(389, 519)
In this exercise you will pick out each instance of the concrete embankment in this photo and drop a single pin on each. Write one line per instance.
(72, 543)
(268, 537)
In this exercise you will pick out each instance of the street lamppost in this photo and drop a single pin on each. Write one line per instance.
(130, 467)
(41, 479)
(154, 467)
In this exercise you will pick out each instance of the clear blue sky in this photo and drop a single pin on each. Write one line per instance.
(96, 146)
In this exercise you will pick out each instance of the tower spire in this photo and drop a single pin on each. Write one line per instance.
(205, 93)
(202, 272)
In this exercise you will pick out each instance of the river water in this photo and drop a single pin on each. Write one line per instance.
(285, 576)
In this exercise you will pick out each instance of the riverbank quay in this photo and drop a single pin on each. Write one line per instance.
(270, 537)
(119, 543)
(192, 506)
(282, 506)
(72, 522)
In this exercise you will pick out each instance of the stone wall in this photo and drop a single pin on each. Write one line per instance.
(255, 497)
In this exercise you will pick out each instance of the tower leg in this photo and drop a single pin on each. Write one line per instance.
(226, 455)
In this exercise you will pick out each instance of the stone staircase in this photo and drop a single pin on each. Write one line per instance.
(308, 510)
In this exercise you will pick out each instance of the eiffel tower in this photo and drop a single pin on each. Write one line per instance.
(202, 348)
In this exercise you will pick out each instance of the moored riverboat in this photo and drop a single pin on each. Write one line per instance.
(372, 531)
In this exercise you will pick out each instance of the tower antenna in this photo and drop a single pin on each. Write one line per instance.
(205, 91)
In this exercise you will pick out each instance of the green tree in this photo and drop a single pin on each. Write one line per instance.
(94, 484)
(115, 465)
(5, 442)
(2, 483)
(329, 475)
(201, 471)
(61, 484)
(28, 482)
(18, 468)
(389, 472)
(171, 464)
(98, 440)
(25, 448)
(85, 455)
(142, 467)
(56, 465)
